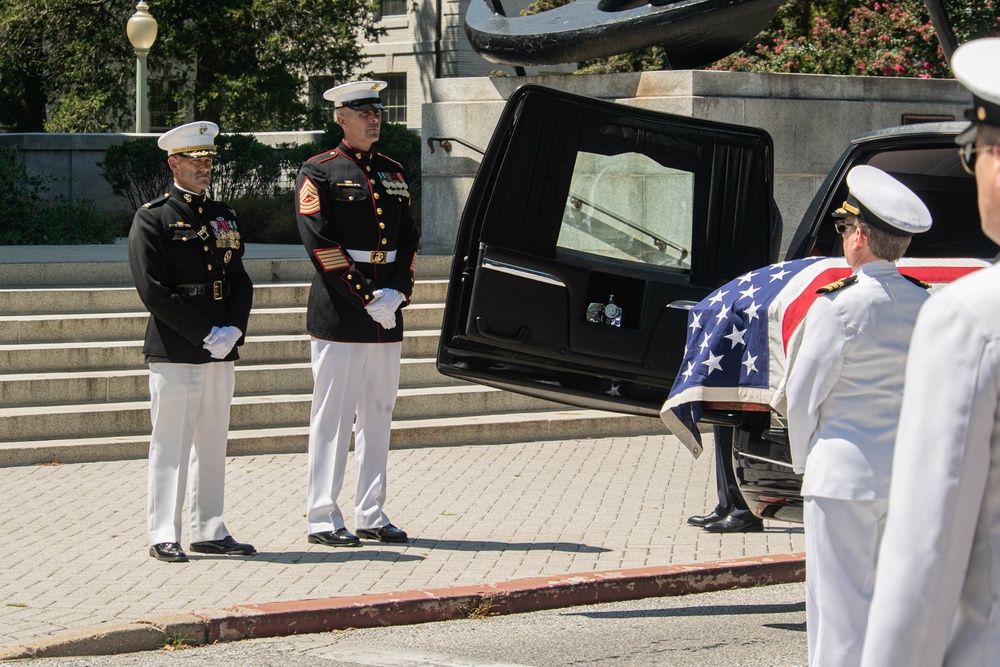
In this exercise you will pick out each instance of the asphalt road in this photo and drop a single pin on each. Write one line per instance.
(750, 627)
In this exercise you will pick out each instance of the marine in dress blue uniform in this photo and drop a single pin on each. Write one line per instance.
(844, 386)
(937, 586)
(185, 253)
(353, 212)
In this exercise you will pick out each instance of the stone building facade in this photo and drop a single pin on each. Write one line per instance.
(424, 41)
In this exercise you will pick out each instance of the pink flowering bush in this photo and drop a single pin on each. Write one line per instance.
(877, 38)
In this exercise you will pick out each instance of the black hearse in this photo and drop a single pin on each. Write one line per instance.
(592, 227)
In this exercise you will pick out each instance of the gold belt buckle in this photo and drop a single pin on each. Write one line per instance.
(378, 257)
(217, 290)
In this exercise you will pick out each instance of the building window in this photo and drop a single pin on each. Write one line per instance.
(392, 8)
(317, 86)
(393, 97)
(164, 110)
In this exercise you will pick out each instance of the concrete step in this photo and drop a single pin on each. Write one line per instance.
(92, 386)
(132, 325)
(561, 424)
(74, 386)
(250, 412)
(56, 271)
(127, 354)
(124, 299)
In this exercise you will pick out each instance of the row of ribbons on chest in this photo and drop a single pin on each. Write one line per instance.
(225, 232)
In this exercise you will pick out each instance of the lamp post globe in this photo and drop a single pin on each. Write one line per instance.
(141, 30)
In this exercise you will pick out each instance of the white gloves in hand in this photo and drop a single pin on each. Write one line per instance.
(392, 300)
(383, 307)
(221, 340)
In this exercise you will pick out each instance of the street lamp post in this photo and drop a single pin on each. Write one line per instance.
(141, 29)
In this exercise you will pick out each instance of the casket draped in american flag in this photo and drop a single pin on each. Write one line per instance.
(738, 336)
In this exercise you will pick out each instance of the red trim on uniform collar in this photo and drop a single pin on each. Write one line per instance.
(353, 153)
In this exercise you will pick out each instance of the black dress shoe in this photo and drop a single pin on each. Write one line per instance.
(386, 533)
(335, 538)
(718, 514)
(227, 546)
(168, 552)
(746, 523)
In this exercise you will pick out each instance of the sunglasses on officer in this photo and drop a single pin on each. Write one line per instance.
(967, 156)
(843, 227)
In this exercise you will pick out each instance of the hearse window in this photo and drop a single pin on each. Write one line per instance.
(628, 206)
(949, 193)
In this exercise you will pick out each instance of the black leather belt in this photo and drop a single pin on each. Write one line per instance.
(217, 290)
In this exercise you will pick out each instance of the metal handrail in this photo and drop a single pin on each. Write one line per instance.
(660, 242)
(577, 201)
(446, 144)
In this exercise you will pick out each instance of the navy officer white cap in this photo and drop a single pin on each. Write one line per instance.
(190, 140)
(977, 67)
(883, 202)
(358, 95)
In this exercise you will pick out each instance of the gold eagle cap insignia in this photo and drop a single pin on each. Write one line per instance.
(838, 284)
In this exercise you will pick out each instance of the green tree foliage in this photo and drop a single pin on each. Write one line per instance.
(257, 180)
(20, 192)
(244, 63)
(245, 167)
(893, 38)
(29, 221)
(66, 65)
(71, 54)
(136, 170)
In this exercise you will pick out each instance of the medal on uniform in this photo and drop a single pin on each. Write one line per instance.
(227, 257)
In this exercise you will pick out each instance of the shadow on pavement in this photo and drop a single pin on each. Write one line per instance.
(335, 555)
(472, 545)
(717, 610)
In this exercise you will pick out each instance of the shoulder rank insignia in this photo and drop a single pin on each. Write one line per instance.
(159, 201)
(916, 281)
(837, 284)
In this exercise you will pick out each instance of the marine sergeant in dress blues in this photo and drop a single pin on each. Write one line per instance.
(185, 253)
(353, 213)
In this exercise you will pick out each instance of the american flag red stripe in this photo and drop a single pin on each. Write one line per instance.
(735, 352)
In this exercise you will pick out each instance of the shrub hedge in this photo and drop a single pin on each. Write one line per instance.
(28, 220)
(257, 180)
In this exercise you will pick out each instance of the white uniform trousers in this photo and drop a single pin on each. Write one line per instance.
(351, 381)
(189, 406)
(842, 542)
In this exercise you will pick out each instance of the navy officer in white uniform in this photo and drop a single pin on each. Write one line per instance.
(844, 387)
(353, 213)
(937, 587)
(185, 253)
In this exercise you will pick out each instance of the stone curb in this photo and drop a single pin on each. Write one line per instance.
(277, 619)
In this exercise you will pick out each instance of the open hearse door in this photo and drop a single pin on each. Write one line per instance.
(590, 229)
